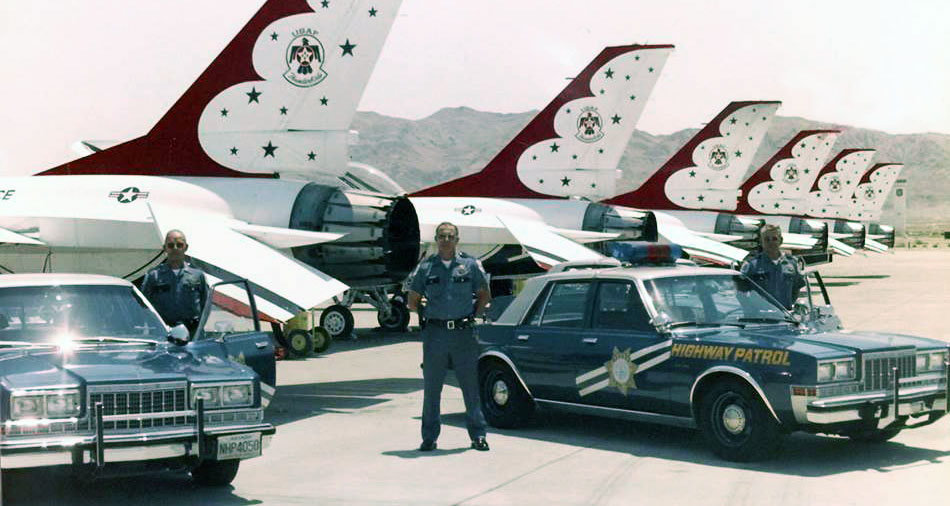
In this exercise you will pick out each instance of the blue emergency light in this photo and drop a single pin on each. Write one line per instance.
(639, 253)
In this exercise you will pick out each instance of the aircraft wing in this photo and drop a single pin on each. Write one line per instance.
(545, 245)
(672, 230)
(585, 236)
(282, 238)
(9, 236)
(282, 280)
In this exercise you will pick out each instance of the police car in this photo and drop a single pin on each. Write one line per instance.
(699, 347)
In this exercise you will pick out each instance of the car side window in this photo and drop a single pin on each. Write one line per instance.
(618, 306)
(566, 304)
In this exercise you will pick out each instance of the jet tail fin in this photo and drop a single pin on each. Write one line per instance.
(573, 146)
(707, 171)
(279, 98)
(873, 189)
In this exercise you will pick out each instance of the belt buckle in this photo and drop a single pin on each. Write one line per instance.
(450, 324)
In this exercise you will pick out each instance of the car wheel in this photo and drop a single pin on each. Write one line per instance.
(398, 320)
(338, 320)
(215, 473)
(736, 423)
(505, 402)
(299, 343)
(321, 340)
(869, 433)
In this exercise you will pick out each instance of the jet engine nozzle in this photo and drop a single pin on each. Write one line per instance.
(631, 224)
(746, 228)
(856, 233)
(381, 245)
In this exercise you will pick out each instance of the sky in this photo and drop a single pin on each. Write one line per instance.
(108, 69)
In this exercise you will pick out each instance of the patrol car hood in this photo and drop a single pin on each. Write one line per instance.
(815, 343)
(46, 368)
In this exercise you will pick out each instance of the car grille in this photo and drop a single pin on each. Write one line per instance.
(140, 399)
(878, 369)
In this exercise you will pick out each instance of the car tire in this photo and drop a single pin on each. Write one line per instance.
(321, 340)
(215, 473)
(505, 403)
(398, 320)
(736, 423)
(338, 321)
(299, 343)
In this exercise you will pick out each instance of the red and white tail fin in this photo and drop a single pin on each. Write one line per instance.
(780, 185)
(573, 146)
(873, 190)
(706, 172)
(830, 195)
(279, 99)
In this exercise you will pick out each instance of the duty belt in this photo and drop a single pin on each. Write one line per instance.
(459, 323)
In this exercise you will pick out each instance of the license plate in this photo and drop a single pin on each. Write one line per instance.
(239, 446)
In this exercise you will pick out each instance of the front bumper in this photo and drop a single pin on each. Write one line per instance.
(198, 442)
(916, 397)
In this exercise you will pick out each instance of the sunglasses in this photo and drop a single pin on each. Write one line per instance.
(446, 237)
(175, 245)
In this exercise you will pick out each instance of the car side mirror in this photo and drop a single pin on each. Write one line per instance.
(179, 334)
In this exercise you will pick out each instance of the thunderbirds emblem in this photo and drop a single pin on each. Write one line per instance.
(305, 59)
(719, 158)
(834, 184)
(589, 125)
(791, 174)
(869, 193)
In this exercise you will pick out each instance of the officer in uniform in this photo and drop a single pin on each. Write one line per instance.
(176, 288)
(456, 290)
(778, 273)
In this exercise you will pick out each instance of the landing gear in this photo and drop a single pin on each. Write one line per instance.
(398, 319)
(299, 343)
(337, 320)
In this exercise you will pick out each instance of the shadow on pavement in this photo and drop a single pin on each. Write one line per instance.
(801, 454)
(859, 276)
(295, 402)
(416, 454)
(43, 487)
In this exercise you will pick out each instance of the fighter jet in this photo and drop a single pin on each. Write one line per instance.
(869, 198)
(277, 102)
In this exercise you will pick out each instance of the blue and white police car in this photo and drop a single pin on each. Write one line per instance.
(672, 343)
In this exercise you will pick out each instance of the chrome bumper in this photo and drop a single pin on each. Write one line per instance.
(881, 405)
(99, 448)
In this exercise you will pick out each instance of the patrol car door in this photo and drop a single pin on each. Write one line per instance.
(621, 357)
(814, 306)
(231, 330)
(547, 339)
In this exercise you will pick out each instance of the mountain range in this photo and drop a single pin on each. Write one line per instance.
(458, 141)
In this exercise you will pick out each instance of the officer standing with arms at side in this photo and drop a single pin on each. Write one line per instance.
(456, 291)
(176, 288)
(776, 272)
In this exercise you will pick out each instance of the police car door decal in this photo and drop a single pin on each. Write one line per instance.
(621, 368)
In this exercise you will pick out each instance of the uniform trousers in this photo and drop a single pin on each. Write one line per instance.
(438, 344)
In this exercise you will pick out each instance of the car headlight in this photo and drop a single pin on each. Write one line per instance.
(52, 404)
(837, 370)
(928, 361)
(224, 395)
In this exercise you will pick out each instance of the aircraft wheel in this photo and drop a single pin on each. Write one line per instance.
(398, 320)
(299, 343)
(337, 320)
(321, 340)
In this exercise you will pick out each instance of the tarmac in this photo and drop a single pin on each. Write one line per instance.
(348, 428)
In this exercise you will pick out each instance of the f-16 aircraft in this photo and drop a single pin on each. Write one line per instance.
(277, 101)
(569, 154)
(869, 198)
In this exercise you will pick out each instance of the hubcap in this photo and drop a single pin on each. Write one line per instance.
(733, 419)
(500, 393)
(299, 342)
(334, 323)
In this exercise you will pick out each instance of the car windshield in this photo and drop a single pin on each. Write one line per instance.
(712, 300)
(49, 314)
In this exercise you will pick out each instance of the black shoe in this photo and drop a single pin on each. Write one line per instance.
(480, 444)
(428, 446)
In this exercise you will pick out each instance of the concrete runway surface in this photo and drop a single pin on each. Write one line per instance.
(348, 428)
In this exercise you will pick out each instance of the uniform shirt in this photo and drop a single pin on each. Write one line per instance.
(449, 291)
(782, 279)
(178, 298)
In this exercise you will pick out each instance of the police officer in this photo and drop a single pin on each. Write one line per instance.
(776, 272)
(176, 288)
(456, 291)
